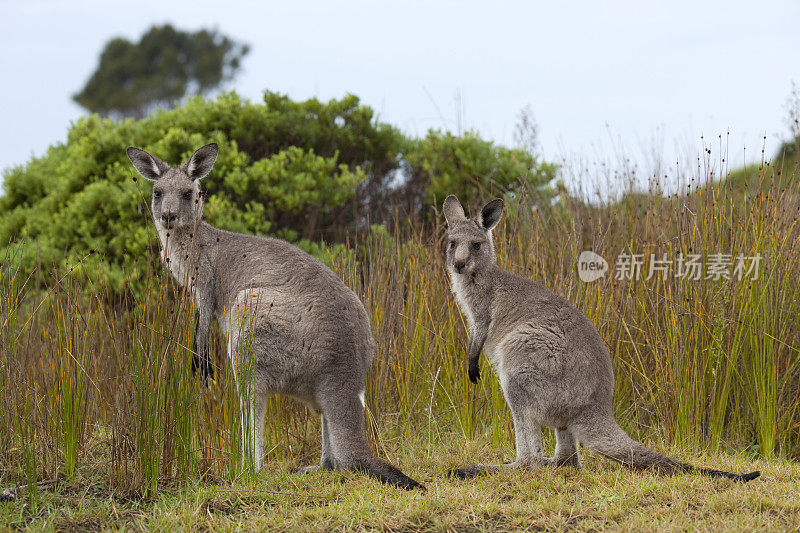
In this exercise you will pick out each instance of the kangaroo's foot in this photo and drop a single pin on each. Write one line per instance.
(310, 469)
(566, 453)
(325, 464)
(472, 471)
(571, 461)
(346, 444)
(371, 465)
(385, 472)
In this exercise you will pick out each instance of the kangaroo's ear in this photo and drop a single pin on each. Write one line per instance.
(149, 166)
(490, 214)
(453, 212)
(201, 162)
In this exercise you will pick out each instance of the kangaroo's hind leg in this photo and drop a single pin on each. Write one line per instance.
(253, 428)
(566, 449)
(252, 403)
(326, 462)
(343, 412)
(528, 437)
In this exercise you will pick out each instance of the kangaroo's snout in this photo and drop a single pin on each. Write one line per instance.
(459, 266)
(168, 218)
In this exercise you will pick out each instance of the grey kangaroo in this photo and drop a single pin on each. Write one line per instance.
(553, 366)
(309, 333)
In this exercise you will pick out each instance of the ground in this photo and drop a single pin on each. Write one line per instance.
(601, 496)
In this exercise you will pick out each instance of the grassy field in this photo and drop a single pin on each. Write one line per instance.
(98, 393)
(601, 496)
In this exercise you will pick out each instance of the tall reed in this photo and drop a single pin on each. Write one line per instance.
(707, 363)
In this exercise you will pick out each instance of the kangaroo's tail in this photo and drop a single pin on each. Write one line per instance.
(610, 440)
(386, 472)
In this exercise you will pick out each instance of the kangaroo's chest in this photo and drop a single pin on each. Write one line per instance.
(465, 296)
(475, 303)
(175, 250)
(175, 263)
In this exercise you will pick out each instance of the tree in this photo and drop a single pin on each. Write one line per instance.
(166, 65)
(526, 131)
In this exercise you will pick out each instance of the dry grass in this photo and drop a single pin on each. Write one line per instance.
(602, 496)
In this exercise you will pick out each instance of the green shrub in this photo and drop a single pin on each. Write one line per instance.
(297, 170)
(471, 167)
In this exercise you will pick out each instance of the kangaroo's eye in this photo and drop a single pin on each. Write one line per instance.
(187, 195)
(452, 244)
(156, 194)
(476, 246)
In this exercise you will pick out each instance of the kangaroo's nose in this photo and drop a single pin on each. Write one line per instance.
(459, 266)
(169, 216)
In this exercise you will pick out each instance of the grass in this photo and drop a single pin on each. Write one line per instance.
(602, 495)
(99, 395)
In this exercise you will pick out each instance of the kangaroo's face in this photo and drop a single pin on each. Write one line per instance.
(469, 240)
(176, 200)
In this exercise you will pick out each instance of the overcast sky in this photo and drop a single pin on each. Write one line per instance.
(602, 78)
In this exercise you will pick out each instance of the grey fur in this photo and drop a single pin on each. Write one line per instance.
(309, 333)
(553, 366)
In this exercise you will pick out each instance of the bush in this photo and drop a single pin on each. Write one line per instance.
(299, 170)
(470, 167)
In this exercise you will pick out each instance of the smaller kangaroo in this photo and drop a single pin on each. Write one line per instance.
(553, 366)
(309, 333)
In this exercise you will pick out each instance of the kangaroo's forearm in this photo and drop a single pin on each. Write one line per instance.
(476, 340)
(201, 360)
(202, 326)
